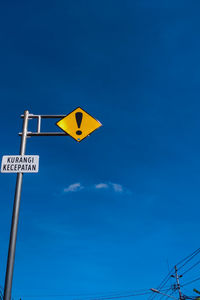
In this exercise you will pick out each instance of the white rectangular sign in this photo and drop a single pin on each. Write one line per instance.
(20, 164)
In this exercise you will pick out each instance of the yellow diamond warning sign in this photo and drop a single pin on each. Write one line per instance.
(78, 124)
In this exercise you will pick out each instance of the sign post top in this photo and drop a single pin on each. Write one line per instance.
(78, 124)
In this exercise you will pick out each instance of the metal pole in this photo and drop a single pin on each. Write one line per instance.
(15, 217)
(178, 283)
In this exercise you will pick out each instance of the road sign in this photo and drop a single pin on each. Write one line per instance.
(78, 124)
(20, 164)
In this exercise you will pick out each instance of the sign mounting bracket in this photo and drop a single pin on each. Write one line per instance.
(39, 121)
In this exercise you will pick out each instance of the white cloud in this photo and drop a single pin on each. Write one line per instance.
(101, 186)
(117, 187)
(75, 187)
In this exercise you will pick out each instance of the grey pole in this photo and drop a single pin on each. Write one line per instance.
(15, 217)
(178, 283)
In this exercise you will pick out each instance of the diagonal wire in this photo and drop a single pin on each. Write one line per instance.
(166, 293)
(162, 284)
(122, 296)
(191, 267)
(189, 258)
(194, 253)
(95, 295)
(187, 283)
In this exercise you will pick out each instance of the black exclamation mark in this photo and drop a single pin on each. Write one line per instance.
(79, 117)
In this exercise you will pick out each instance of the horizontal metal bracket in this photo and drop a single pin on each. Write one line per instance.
(31, 116)
(45, 134)
(38, 132)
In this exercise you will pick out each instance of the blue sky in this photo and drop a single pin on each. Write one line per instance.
(109, 213)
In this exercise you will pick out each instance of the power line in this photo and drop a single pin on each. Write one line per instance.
(198, 250)
(92, 295)
(191, 268)
(96, 298)
(189, 258)
(123, 296)
(162, 284)
(187, 283)
(165, 292)
(99, 296)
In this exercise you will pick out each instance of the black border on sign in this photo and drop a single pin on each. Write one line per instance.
(70, 114)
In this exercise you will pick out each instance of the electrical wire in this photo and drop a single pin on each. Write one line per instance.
(198, 250)
(159, 288)
(187, 283)
(162, 284)
(138, 294)
(188, 258)
(91, 298)
(165, 292)
(94, 296)
(186, 292)
(191, 268)
(118, 297)
(91, 295)
(172, 293)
